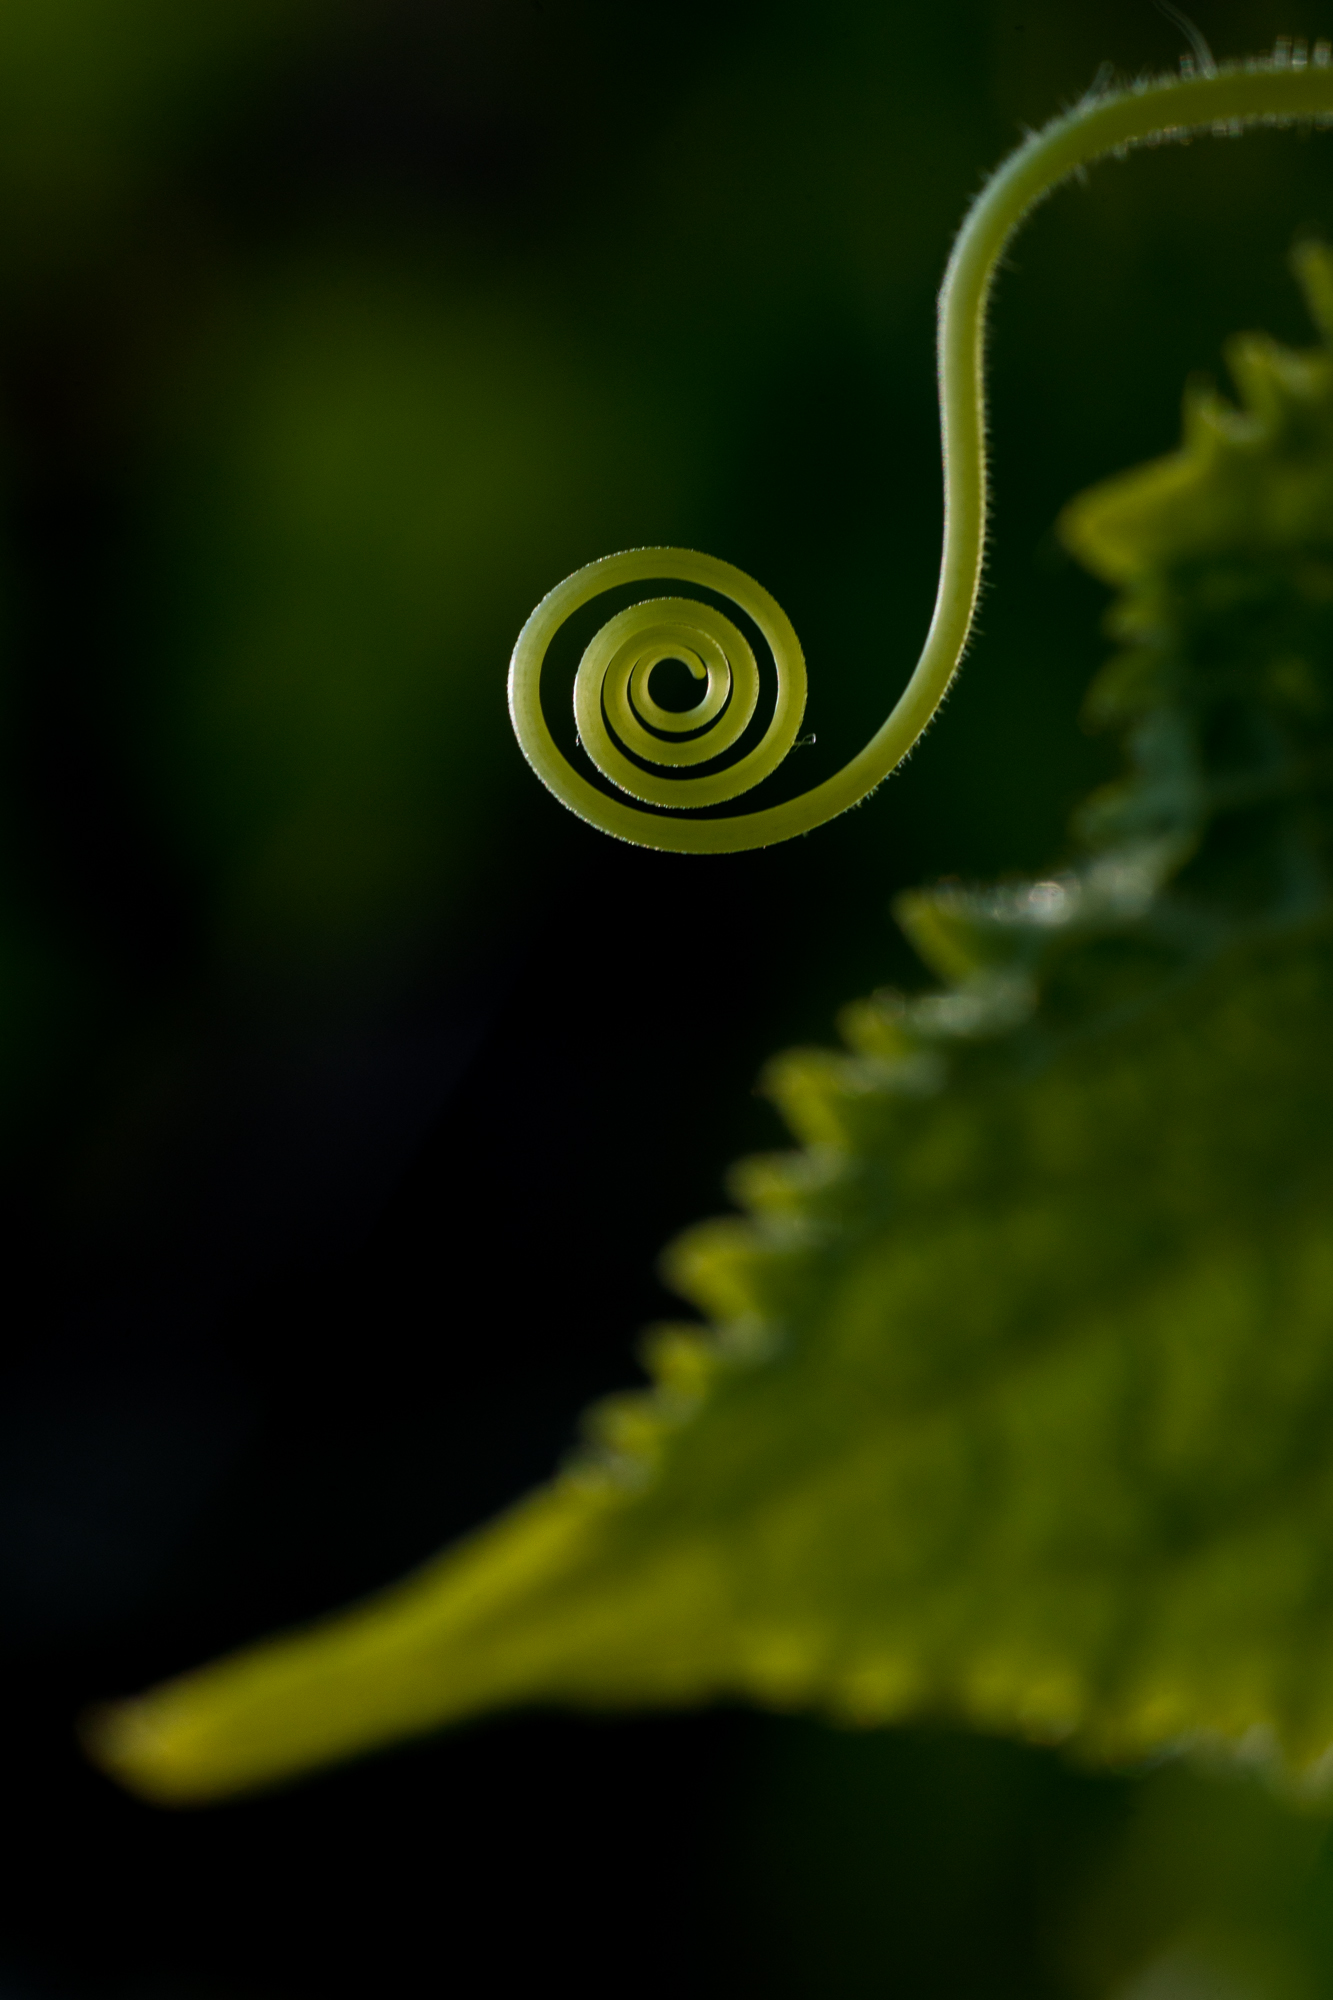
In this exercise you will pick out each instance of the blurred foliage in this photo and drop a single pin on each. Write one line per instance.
(1003, 1871)
(330, 337)
(94, 102)
(334, 752)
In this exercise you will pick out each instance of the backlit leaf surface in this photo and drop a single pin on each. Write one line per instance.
(1015, 1398)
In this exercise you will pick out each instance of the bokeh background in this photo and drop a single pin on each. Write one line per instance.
(348, 1086)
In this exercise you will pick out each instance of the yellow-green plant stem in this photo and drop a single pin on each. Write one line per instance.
(1275, 90)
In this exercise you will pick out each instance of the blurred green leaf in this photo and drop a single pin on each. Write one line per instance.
(1016, 1401)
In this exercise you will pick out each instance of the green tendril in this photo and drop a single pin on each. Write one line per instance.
(621, 727)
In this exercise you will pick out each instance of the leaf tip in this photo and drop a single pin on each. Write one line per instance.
(136, 1743)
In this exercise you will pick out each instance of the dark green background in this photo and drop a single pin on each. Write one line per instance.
(349, 1086)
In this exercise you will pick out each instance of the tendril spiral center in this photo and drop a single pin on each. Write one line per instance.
(621, 727)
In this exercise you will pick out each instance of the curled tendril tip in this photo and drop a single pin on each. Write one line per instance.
(648, 751)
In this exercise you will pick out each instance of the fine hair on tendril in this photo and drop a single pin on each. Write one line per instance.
(667, 764)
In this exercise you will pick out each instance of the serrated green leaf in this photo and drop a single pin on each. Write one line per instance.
(1015, 1401)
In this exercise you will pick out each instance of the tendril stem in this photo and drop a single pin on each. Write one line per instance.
(1275, 90)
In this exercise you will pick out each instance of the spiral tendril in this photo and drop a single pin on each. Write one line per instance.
(623, 729)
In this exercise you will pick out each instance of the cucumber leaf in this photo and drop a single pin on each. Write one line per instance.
(1014, 1398)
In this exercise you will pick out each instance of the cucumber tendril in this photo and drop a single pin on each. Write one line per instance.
(624, 730)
